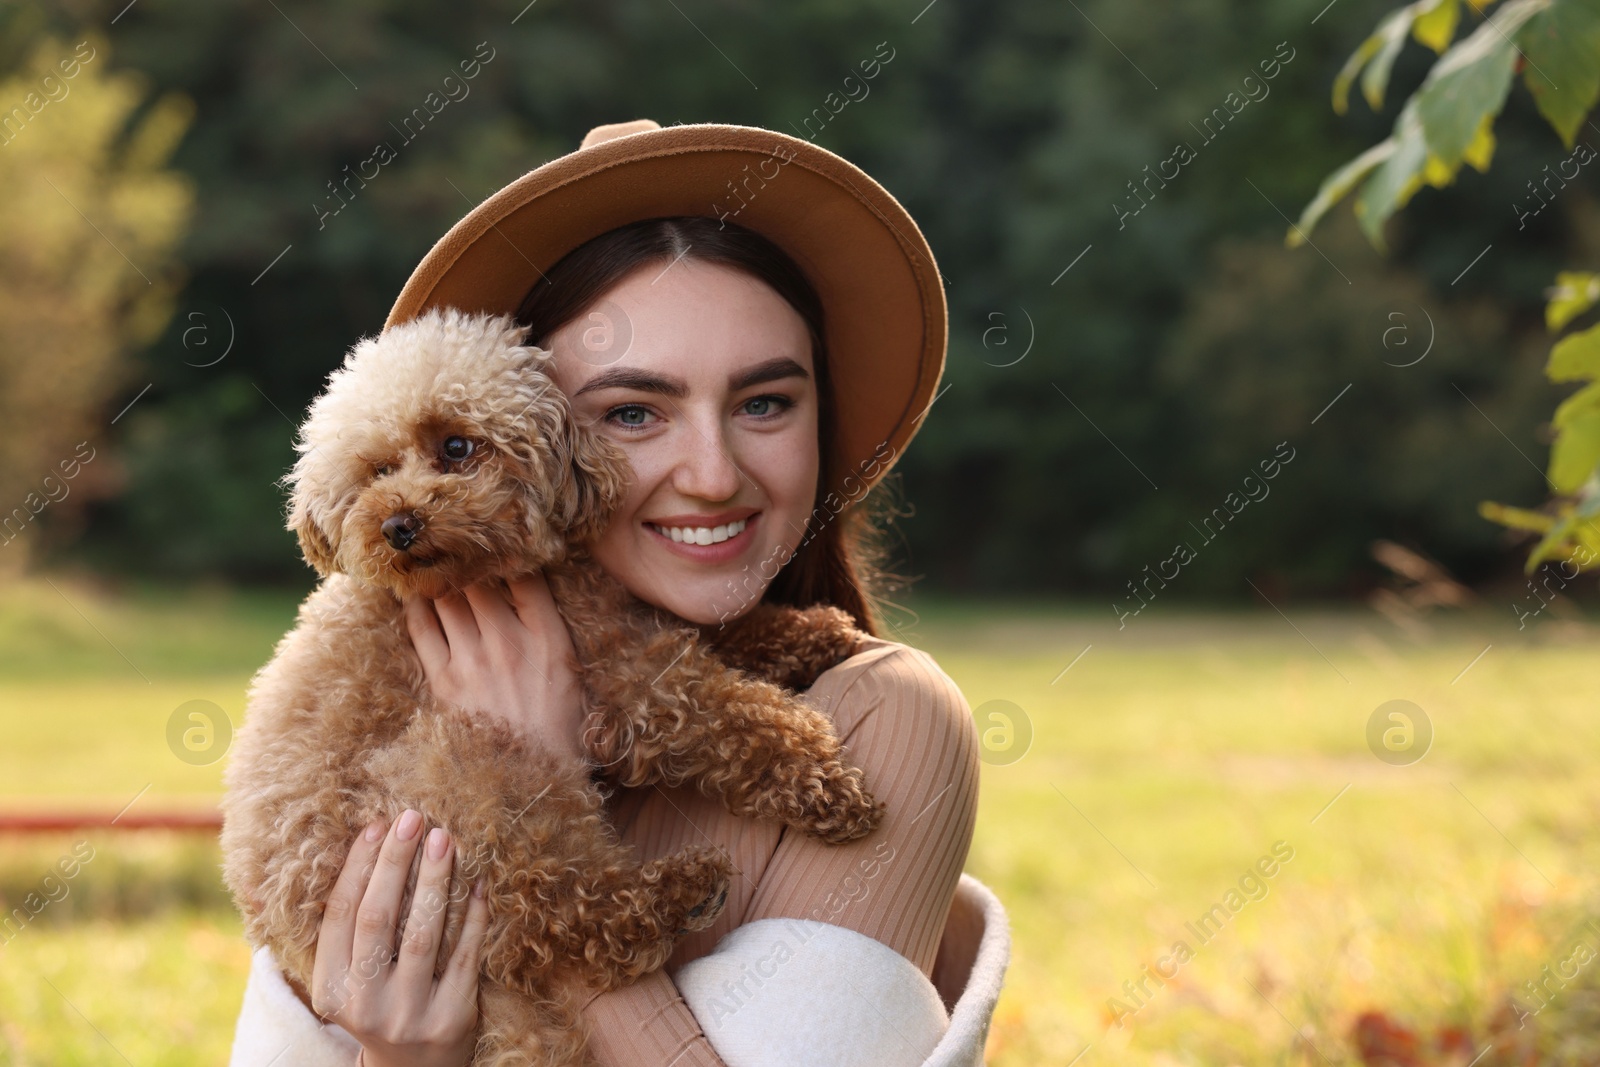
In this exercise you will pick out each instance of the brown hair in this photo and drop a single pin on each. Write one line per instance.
(841, 562)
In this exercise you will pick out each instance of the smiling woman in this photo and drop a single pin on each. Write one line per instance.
(724, 405)
(701, 350)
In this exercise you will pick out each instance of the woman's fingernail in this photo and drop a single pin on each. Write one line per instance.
(477, 888)
(374, 830)
(437, 839)
(409, 824)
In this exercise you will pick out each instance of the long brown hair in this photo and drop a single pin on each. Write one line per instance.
(843, 562)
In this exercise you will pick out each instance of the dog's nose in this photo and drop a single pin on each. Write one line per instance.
(402, 529)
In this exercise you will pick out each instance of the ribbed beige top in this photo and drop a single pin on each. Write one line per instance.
(906, 724)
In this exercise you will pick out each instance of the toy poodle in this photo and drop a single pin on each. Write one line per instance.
(442, 454)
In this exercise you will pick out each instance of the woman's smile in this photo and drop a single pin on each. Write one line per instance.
(706, 540)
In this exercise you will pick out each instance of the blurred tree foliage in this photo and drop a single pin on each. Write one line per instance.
(1450, 120)
(89, 217)
(1179, 349)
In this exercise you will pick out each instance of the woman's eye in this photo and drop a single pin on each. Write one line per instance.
(629, 415)
(765, 406)
(457, 448)
(637, 416)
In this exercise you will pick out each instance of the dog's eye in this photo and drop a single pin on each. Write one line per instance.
(457, 448)
(382, 469)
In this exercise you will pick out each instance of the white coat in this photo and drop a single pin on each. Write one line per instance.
(773, 993)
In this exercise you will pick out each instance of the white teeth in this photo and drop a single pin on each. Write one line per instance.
(702, 535)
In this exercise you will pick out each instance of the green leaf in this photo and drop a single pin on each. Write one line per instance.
(1585, 554)
(1334, 188)
(1575, 358)
(1589, 504)
(1555, 544)
(1433, 22)
(1392, 33)
(1481, 150)
(1358, 59)
(1562, 47)
(1575, 292)
(1399, 175)
(1576, 453)
(1437, 173)
(1436, 26)
(1516, 518)
(1470, 82)
(1581, 403)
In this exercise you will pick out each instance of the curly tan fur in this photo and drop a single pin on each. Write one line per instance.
(341, 727)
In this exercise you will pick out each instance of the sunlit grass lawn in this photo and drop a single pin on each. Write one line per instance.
(1175, 753)
(1164, 764)
(139, 956)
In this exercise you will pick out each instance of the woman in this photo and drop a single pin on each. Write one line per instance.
(702, 348)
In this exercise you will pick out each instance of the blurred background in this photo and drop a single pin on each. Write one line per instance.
(182, 263)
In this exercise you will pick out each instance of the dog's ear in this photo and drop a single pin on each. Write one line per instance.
(594, 483)
(314, 543)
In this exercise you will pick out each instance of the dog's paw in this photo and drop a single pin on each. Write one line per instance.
(838, 808)
(705, 913)
(700, 883)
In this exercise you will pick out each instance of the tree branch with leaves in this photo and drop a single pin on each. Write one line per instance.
(1448, 121)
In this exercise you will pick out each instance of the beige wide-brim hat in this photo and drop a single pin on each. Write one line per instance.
(882, 298)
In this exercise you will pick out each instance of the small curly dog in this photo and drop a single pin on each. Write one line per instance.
(442, 454)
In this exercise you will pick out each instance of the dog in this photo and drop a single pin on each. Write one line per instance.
(440, 454)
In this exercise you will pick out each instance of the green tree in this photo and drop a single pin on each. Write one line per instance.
(89, 219)
(1010, 132)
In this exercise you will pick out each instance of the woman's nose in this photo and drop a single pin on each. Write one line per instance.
(707, 469)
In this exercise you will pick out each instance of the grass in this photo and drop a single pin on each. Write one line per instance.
(138, 956)
(1163, 765)
(1175, 753)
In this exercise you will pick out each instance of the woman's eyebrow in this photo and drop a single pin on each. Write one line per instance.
(633, 378)
(769, 371)
(650, 382)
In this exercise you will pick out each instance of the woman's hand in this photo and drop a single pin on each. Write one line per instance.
(509, 658)
(388, 1001)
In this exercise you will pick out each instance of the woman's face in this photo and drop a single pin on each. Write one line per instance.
(703, 375)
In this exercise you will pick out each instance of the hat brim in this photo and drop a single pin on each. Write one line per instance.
(883, 301)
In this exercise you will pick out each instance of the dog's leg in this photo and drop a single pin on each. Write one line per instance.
(542, 1030)
(625, 921)
(789, 647)
(763, 751)
(666, 709)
